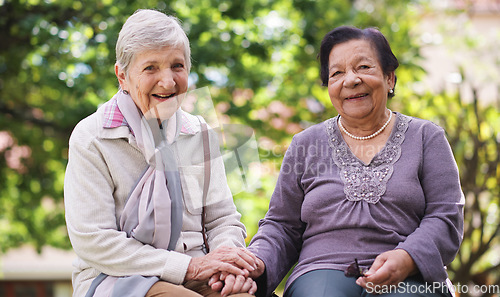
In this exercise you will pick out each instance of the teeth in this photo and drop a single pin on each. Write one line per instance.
(163, 96)
(357, 96)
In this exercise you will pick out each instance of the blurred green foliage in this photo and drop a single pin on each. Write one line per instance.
(258, 57)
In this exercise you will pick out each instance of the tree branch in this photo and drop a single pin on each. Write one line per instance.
(27, 116)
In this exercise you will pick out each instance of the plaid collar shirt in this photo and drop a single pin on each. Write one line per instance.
(113, 118)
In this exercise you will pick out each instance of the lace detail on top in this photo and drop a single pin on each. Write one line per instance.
(366, 182)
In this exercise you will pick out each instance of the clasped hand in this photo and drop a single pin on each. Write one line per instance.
(232, 284)
(227, 269)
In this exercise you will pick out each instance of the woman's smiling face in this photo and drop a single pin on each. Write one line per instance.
(357, 85)
(154, 77)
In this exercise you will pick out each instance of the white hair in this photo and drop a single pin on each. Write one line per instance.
(149, 29)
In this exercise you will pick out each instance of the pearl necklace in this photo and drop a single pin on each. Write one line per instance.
(369, 136)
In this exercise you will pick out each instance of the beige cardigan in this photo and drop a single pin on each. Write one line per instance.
(104, 165)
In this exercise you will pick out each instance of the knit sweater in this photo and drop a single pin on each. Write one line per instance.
(329, 207)
(104, 166)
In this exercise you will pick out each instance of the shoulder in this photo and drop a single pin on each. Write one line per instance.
(308, 142)
(418, 122)
(418, 126)
(92, 127)
(313, 133)
(87, 129)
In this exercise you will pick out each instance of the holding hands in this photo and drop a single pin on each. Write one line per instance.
(232, 284)
(233, 260)
(227, 269)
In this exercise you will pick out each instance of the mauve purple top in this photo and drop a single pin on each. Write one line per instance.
(328, 207)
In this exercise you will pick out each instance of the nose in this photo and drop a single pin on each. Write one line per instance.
(166, 79)
(351, 79)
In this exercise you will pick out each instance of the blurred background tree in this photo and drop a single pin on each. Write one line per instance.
(258, 58)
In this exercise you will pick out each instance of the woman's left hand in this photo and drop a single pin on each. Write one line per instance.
(234, 260)
(389, 268)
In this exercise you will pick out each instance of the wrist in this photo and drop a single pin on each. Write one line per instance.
(261, 267)
(190, 272)
(412, 266)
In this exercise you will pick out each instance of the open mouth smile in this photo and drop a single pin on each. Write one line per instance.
(357, 96)
(163, 96)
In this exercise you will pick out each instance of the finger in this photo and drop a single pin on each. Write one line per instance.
(217, 286)
(261, 267)
(376, 274)
(228, 285)
(206, 272)
(253, 289)
(242, 257)
(242, 260)
(240, 251)
(381, 277)
(232, 255)
(379, 261)
(247, 285)
(396, 266)
(361, 281)
(249, 256)
(214, 278)
(223, 275)
(238, 284)
(385, 275)
(230, 269)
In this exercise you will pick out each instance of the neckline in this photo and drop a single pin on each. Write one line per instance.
(377, 155)
(373, 135)
(366, 182)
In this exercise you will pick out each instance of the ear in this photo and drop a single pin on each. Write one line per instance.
(391, 80)
(120, 74)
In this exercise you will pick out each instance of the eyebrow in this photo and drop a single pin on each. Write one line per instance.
(357, 60)
(176, 60)
(149, 62)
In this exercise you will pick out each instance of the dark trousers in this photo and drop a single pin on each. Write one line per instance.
(333, 283)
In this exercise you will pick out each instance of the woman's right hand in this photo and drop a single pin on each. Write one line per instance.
(232, 260)
(232, 284)
(238, 284)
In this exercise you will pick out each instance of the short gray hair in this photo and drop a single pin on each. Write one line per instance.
(149, 29)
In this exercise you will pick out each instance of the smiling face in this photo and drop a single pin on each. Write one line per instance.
(154, 77)
(357, 85)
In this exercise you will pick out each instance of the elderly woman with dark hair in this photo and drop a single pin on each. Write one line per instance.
(367, 202)
(145, 189)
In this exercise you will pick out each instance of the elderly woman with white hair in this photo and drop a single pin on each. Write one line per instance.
(145, 191)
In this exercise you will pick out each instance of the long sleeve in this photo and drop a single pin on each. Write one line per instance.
(94, 199)
(315, 211)
(436, 241)
(223, 220)
(279, 239)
